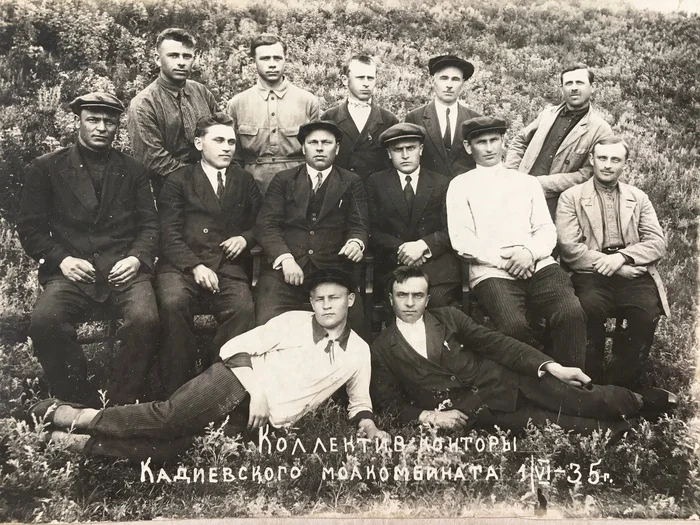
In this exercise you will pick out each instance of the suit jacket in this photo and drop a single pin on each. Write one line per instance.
(469, 364)
(571, 164)
(392, 223)
(360, 150)
(435, 156)
(194, 223)
(60, 216)
(282, 225)
(580, 230)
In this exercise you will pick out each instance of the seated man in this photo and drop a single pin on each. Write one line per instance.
(408, 224)
(313, 216)
(428, 358)
(499, 220)
(284, 369)
(610, 237)
(87, 216)
(207, 211)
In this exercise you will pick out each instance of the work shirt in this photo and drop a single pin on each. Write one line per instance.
(608, 198)
(565, 121)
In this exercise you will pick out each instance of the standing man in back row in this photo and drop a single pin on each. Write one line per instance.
(267, 116)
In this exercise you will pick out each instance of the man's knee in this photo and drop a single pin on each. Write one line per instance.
(46, 319)
(172, 302)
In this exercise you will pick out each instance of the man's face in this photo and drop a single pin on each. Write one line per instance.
(487, 149)
(409, 299)
(361, 80)
(217, 145)
(576, 89)
(97, 128)
(175, 60)
(608, 162)
(330, 302)
(447, 84)
(405, 154)
(320, 149)
(269, 61)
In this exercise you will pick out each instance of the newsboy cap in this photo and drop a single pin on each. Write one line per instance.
(480, 125)
(307, 128)
(329, 275)
(402, 130)
(97, 100)
(440, 62)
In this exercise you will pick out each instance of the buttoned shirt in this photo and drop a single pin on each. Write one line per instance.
(441, 110)
(566, 121)
(491, 210)
(292, 361)
(211, 173)
(414, 334)
(359, 111)
(608, 198)
(414, 179)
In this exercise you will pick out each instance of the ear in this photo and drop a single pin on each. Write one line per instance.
(420, 150)
(344, 80)
(337, 147)
(351, 299)
(198, 143)
(156, 56)
(303, 148)
(467, 146)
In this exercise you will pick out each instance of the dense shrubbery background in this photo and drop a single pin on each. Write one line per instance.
(647, 68)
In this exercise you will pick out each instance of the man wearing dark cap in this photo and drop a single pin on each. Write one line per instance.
(361, 120)
(556, 146)
(163, 116)
(408, 223)
(87, 216)
(442, 118)
(313, 217)
(275, 373)
(498, 220)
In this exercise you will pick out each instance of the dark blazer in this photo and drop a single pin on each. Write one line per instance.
(392, 223)
(60, 216)
(468, 363)
(360, 150)
(435, 156)
(283, 227)
(194, 223)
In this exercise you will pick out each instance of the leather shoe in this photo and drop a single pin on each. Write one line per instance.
(657, 400)
(43, 411)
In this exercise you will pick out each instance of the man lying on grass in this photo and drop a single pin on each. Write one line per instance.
(428, 358)
(283, 369)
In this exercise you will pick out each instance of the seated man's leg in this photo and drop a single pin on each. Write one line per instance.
(445, 294)
(139, 335)
(504, 301)
(551, 294)
(233, 309)
(55, 344)
(274, 297)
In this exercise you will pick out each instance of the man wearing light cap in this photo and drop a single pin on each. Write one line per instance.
(408, 224)
(87, 216)
(499, 221)
(442, 118)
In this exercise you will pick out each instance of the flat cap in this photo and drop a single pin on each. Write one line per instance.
(330, 275)
(440, 62)
(307, 128)
(479, 125)
(402, 130)
(96, 100)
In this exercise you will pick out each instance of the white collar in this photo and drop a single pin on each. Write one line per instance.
(313, 171)
(210, 171)
(490, 170)
(414, 175)
(410, 326)
(442, 107)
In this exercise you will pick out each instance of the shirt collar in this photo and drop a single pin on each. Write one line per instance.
(414, 175)
(411, 326)
(575, 112)
(320, 333)
(280, 91)
(355, 103)
(492, 170)
(603, 187)
(172, 88)
(325, 172)
(442, 107)
(88, 154)
(210, 170)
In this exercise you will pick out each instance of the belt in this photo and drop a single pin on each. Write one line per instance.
(276, 160)
(611, 250)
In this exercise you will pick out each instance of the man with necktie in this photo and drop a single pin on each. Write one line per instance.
(443, 117)
(207, 212)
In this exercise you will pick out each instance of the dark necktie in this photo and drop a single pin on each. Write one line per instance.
(219, 185)
(189, 119)
(330, 347)
(408, 193)
(447, 137)
(319, 180)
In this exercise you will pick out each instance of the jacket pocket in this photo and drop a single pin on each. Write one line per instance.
(290, 132)
(245, 129)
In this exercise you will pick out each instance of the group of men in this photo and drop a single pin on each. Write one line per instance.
(425, 196)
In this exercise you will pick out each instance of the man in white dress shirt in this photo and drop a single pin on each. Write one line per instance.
(498, 219)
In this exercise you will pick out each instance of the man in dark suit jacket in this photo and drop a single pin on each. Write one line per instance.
(443, 357)
(207, 212)
(87, 216)
(443, 117)
(408, 221)
(361, 120)
(313, 217)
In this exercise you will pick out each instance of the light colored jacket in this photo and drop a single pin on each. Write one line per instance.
(580, 230)
(571, 164)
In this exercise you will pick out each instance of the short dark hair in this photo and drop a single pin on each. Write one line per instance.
(615, 139)
(266, 39)
(177, 34)
(363, 59)
(574, 67)
(401, 274)
(204, 123)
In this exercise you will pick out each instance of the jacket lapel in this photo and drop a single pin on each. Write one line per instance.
(230, 189)
(395, 193)
(434, 338)
(406, 352)
(627, 205)
(113, 178)
(432, 125)
(336, 188)
(423, 193)
(457, 141)
(205, 192)
(78, 180)
(374, 122)
(575, 134)
(346, 123)
(302, 190)
(589, 204)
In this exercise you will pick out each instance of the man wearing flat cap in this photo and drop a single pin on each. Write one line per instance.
(408, 223)
(87, 217)
(499, 221)
(313, 217)
(442, 117)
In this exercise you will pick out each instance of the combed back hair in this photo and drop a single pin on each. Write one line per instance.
(204, 123)
(363, 59)
(177, 34)
(574, 67)
(402, 273)
(266, 39)
(606, 141)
